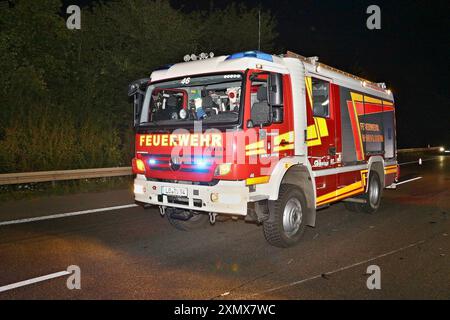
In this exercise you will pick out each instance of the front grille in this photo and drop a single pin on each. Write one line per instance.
(162, 162)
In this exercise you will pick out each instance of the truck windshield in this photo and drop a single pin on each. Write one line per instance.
(210, 99)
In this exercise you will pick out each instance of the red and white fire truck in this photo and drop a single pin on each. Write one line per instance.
(272, 138)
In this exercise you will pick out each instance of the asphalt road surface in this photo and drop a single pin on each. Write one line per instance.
(134, 253)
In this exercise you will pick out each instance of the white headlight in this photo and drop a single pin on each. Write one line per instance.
(139, 189)
(222, 169)
(183, 114)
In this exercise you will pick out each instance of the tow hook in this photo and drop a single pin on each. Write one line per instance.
(162, 210)
(212, 217)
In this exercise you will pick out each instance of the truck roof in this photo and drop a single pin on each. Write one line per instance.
(268, 62)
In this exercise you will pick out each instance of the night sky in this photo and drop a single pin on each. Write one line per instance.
(409, 53)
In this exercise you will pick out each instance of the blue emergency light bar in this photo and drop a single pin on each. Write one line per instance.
(251, 54)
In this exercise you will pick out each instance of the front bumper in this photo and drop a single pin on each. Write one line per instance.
(229, 197)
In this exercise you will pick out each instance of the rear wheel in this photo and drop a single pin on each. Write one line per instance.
(285, 225)
(192, 222)
(372, 197)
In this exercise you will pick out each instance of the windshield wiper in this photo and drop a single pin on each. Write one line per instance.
(152, 123)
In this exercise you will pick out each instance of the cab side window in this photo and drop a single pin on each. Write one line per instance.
(260, 109)
(321, 98)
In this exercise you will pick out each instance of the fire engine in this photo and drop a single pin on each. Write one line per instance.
(271, 138)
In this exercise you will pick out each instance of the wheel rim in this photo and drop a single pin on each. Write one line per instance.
(292, 216)
(374, 192)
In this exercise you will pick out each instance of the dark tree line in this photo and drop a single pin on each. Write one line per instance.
(63, 102)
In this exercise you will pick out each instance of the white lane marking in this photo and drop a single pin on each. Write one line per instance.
(340, 269)
(406, 181)
(34, 280)
(68, 214)
(417, 161)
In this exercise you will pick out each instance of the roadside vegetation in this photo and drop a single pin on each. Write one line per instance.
(63, 93)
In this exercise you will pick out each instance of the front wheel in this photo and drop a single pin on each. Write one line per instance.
(286, 225)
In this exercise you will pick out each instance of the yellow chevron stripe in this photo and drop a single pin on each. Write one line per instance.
(311, 132)
(322, 125)
(338, 192)
(285, 147)
(341, 197)
(255, 145)
(319, 129)
(357, 97)
(372, 100)
(288, 137)
(255, 152)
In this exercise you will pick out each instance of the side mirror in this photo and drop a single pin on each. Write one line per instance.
(275, 96)
(275, 89)
(138, 100)
(138, 86)
(137, 90)
(250, 124)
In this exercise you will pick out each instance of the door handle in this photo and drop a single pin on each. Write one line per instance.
(283, 143)
(332, 151)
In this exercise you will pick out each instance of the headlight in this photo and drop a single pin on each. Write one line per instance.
(138, 189)
(222, 169)
(183, 114)
(140, 166)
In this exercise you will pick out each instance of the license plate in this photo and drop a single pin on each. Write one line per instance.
(173, 191)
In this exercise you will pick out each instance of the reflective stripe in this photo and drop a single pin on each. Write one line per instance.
(326, 172)
(255, 145)
(357, 186)
(257, 180)
(255, 152)
(285, 147)
(341, 197)
(371, 100)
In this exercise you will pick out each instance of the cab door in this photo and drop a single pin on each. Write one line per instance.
(321, 136)
(269, 117)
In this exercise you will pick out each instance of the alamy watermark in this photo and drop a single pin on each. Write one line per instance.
(374, 20)
(74, 280)
(374, 280)
(73, 22)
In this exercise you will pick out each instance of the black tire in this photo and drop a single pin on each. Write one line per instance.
(372, 196)
(274, 228)
(197, 221)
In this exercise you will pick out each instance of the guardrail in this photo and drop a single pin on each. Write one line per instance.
(46, 176)
(419, 149)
